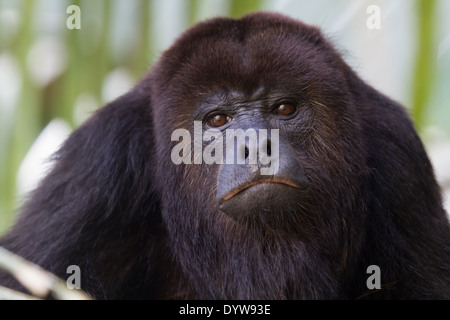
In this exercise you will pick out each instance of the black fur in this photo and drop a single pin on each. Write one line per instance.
(141, 227)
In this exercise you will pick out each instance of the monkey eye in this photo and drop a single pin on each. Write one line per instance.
(219, 120)
(285, 109)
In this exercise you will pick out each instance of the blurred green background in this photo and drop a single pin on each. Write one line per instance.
(52, 77)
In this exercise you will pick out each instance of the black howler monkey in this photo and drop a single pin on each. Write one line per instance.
(353, 186)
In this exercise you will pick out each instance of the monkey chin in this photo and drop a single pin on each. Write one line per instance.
(269, 204)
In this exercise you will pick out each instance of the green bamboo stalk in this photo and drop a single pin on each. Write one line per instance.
(194, 6)
(102, 56)
(27, 120)
(142, 59)
(71, 80)
(85, 72)
(422, 87)
(239, 8)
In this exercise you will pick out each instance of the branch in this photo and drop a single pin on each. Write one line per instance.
(38, 281)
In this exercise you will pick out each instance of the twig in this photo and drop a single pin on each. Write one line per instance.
(38, 281)
(8, 294)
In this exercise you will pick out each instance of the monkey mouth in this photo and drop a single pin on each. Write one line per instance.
(251, 184)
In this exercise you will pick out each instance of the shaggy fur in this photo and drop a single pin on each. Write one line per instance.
(141, 227)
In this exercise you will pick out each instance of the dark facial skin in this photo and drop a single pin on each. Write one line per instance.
(243, 190)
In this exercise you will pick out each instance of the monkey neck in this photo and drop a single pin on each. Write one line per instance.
(252, 265)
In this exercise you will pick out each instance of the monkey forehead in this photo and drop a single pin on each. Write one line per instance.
(256, 49)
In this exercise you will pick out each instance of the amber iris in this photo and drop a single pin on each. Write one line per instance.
(285, 109)
(219, 120)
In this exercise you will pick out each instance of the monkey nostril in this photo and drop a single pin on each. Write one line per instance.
(247, 153)
(269, 148)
